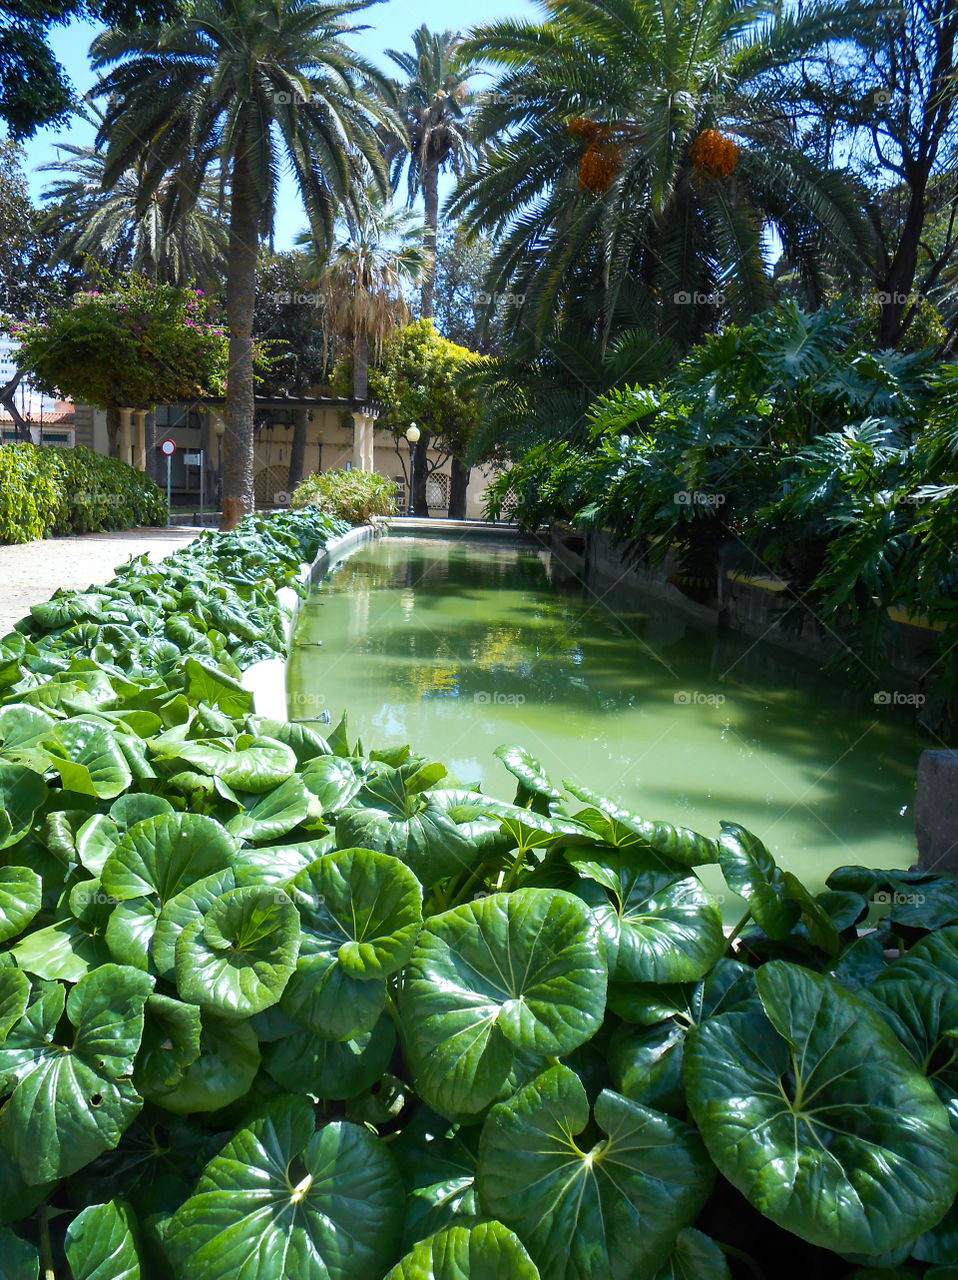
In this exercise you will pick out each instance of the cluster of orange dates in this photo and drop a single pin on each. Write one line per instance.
(601, 161)
(714, 153)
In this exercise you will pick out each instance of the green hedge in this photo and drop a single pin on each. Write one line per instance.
(48, 490)
(354, 496)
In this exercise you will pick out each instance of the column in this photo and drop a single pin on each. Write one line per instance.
(126, 423)
(139, 440)
(362, 442)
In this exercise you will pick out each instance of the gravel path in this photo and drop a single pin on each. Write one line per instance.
(31, 571)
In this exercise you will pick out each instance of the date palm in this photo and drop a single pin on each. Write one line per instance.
(640, 149)
(105, 226)
(435, 138)
(241, 88)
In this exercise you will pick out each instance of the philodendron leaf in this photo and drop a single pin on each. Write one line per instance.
(613, 1206)
(101, 1243)
(21, 892)
(18, 1259)
(695, 1257)
(814, 1111)
(659, 922)
(281, 1200)
(751, 871)
(71, 1102)
(679, 844)
(495, 983)
(237, 959)
(164, 855)
(486, 1251)
(361, 912)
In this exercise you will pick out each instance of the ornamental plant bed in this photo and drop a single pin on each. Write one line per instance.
(278, 1005)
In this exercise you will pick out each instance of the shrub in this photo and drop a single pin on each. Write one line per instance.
(353, 496)
(266, 997)
(49, 490)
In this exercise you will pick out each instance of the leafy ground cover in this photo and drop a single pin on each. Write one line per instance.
(48, 490)
(273, 1004)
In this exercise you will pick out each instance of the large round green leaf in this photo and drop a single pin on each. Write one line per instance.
(438, 1163)
(274, 814)
(486, 1251)
(224, 1071)
(166, 854)
(182, 909)
(18, 1258)
(695, 1257)
(101, 1243)
(21, 892)
(171, 1042)
(22, 792)
(610, 1207)
(88, 759)
(281, 1200)
(361, 912)
(512, 975)
(659, 922)
(248, 764)
(239, 957)
(72, 1101)
(811, 1107)
(331, 1069)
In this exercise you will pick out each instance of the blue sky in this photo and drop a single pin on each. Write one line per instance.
(390, 27)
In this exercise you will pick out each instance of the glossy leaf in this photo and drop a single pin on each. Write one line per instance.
(280, 1199)
(678, 844)
(164, 855)
(331, 1069)
(21, 893)
(751, 871)
(18, 1258)
(101, 1243)
(815, 1112)
(612, 1206)
(511, 974)
(486, 1251)
(695, 1257)
(224, 1071)
(237, 959)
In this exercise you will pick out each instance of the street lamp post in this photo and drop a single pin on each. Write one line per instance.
(412, 435)
(219, 427)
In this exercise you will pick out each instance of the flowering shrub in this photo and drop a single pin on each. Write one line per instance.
(49, 490)
(137, 344)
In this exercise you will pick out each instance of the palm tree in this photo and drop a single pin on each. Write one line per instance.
(642, 148)
(241, 87)
(103, 226)
(364, 279)
(435, 136)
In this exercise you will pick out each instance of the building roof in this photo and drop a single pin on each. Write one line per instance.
(285, 400)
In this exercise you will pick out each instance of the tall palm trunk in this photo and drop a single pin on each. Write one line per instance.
(238, 497)
(431, 195)
(361, 367)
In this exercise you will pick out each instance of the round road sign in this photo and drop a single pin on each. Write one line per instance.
(168, 447)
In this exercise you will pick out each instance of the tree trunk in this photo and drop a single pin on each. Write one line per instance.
(149, 427)
(419, 471)
(297, 453)
(113, 430)
(361, 367)
(896, 288)
(431, 193)
(238, 495)
(457, 489)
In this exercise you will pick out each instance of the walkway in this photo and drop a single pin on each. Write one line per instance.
(32, 571)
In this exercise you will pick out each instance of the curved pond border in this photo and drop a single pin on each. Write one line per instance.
(267, 680)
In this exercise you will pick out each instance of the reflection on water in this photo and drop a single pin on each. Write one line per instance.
(457, 648)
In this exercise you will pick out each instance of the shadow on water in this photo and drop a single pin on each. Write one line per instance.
(457, 647)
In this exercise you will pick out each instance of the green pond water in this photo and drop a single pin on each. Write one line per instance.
(457, 647)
